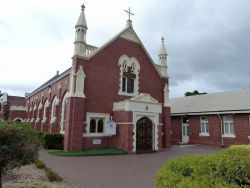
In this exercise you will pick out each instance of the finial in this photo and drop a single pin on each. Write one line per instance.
(129, 13)
(83, 7)
(162, 39)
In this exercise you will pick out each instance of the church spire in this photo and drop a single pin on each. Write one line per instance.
(163, 58)
(81, 31)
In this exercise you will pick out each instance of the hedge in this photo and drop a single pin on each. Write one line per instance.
(52, 141)
(227, 168)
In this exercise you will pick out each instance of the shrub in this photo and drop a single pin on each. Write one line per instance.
(19, 145)
(227, 168)
(39, 164)
(52, 176)
(53, 141)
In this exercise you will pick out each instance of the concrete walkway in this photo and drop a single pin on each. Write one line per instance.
(123, 171)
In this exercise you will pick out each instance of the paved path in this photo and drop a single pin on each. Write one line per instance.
(123, 171)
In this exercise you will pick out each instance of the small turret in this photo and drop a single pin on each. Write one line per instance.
(80, 37)
(163, 53)
(163, 59)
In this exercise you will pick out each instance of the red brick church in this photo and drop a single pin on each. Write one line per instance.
(115, 84)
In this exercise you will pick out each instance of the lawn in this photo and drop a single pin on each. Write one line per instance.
(89, 152)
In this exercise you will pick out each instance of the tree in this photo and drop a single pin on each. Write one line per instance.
(195, 92)
(19, 145)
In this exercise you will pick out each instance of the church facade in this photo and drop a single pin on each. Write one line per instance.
(117, 82)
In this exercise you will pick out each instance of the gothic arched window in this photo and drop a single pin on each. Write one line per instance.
(129, 76)
(100, 126)
(63, 112)
(92, 128)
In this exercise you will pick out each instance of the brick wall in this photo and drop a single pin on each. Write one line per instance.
(241, 128)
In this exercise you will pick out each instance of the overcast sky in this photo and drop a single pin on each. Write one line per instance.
(208, 41)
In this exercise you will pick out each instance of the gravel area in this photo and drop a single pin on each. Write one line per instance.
(29, 176)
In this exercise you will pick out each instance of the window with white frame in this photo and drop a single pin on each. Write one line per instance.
(204, 126)
(45, 108)
(55, 102)
(129, 76)
(228, 126)
(63, 113)
(96, 124)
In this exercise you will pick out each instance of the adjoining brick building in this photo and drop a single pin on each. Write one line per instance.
(12, 108)
(220, 119)
(117, 81)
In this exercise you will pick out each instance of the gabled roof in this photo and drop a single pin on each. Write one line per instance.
(50, 82)
(222, 102)
(129, 34)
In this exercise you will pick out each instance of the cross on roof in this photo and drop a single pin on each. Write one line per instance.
(129, 13)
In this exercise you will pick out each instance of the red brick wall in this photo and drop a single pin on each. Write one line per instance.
(241, 128)
(17, 114)
(176, 132)
(48, 93)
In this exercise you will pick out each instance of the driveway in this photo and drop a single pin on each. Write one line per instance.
(120, 171)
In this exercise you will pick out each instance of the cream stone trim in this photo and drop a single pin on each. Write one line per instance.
(124, 123)
(249, 137)
(53, 120)
(22, 120)
(89, 115)
(18, 108)
(130, 35)
(228, 136)
(129, 61)
(35, 107)
(154, 117)
(204, 134)
(166, 95)
(77, 81)
(32, 120)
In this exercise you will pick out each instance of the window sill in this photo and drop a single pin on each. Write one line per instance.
(37, 120)
(53, 120)
(44, 120)
(228, 136)
(249, 137)
(127, 94)
(32, 120)
(94, 135)
(204, 134)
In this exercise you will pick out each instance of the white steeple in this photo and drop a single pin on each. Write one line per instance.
(80, 37)
(163, 58)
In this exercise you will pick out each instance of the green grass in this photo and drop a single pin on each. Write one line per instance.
(89, 152)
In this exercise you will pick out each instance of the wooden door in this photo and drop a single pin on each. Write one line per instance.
(144, 135)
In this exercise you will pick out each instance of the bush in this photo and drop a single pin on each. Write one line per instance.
(53, 141)
(40, 164)
(19, 145)
(52, 176)
(227, 168)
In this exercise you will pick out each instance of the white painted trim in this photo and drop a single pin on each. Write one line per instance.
(90, 115)
(228, 136)
(204, 134)
(18, 108)
(62, 122)
(124, 123)
(22, 120)
(129, 62)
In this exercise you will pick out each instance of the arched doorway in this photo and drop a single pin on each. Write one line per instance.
(144, 135)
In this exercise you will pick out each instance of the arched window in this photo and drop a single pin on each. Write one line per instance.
(46, 105)
(92, 128)
(40, 106)
(129, 76)
(63, 114)
(55, 102)
(100, 126)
